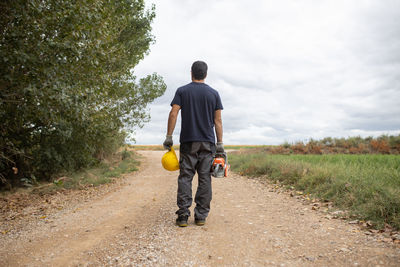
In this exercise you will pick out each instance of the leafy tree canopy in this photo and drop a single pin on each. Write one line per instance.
(67, 87)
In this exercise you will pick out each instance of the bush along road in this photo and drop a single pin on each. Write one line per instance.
(131, 223)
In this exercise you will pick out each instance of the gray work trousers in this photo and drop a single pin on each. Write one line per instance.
(195, 156)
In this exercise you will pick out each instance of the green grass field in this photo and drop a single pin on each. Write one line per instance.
(366, 185)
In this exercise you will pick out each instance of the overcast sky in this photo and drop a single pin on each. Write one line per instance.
(285, 70)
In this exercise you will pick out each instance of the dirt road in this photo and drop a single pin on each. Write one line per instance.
(249, 225)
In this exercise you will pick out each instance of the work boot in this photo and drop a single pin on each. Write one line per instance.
(182, 220)
(199, 222)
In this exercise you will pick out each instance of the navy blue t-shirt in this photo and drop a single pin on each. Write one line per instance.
(198, 103)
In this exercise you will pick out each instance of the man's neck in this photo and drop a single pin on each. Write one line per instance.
(198, 81)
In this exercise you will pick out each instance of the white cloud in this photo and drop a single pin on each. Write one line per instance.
(285, 70)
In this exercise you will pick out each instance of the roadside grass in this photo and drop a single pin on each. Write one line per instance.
(122, 162)
(368, 186)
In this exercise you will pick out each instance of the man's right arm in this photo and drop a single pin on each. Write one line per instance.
(173, 115)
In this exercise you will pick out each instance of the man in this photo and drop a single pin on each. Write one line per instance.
(201, 110)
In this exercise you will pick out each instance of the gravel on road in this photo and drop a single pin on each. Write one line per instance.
(132, 223)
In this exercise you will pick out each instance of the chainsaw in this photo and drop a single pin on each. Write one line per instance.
(220, 166)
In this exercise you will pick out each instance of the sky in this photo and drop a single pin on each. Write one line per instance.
(286, 71)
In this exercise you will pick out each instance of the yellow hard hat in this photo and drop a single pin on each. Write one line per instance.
(170, 161)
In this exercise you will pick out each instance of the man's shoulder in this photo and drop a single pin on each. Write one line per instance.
(184, 87)
(191, 86)
(211, 89)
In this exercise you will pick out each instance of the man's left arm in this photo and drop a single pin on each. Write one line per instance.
(218, 130)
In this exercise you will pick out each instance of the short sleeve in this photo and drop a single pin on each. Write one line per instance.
(177, 99)
(218, 105)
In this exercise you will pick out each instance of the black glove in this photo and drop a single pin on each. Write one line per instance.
(168, 142)
(220, 147)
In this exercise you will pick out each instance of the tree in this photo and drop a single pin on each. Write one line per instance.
(67, 86)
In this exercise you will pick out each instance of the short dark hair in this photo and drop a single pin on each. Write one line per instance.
(199, 70)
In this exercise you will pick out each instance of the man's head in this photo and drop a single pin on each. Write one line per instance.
(199, 70)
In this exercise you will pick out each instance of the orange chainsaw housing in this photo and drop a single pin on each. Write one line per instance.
(221, 161)
(227, 170)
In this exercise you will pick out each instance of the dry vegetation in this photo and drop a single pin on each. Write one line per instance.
(353, 145)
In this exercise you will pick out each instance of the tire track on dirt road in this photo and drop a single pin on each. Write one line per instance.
(248, 226)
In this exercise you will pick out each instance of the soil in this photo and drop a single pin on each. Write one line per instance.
(132, 223)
